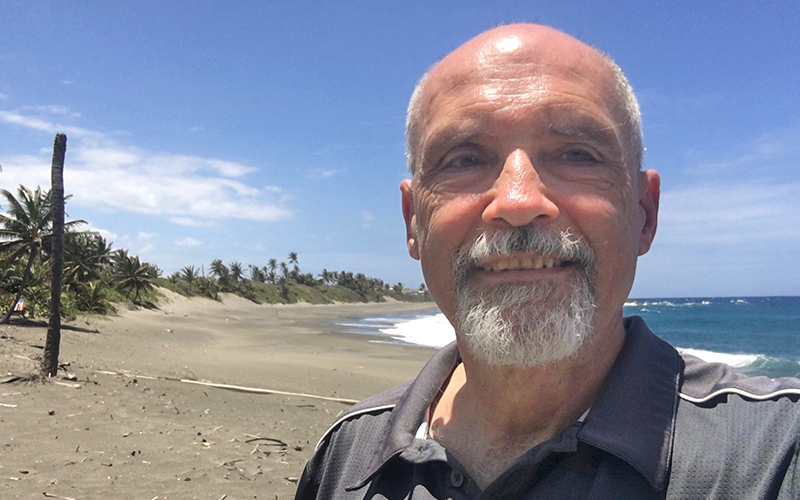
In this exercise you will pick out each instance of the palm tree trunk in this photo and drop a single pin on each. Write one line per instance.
(53, 343)
(25, 278)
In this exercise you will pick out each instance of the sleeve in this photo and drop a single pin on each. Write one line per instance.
(790, 489)
(308, 487)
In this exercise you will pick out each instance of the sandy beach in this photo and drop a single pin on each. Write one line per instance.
(128, 428)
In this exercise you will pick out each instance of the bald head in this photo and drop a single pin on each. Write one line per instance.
(517, 52)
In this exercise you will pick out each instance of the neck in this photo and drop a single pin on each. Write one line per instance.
(484, 409)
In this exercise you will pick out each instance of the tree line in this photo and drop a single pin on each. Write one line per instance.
(95, 275)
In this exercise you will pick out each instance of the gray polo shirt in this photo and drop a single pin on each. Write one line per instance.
(663, 426)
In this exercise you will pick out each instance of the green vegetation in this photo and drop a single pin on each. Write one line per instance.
(96, 277)
(278, 283)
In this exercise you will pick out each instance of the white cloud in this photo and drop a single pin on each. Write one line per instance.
(187, 242)
(770, 154)
(724, 239)
(366, 218)
(3, 97)
(44, 125)
(147, 249)
(67, 82)
(189, 222)
(730, 213)
(101, 174)
(145, 236)
(52, 109)
(108, 235)
(322, 173)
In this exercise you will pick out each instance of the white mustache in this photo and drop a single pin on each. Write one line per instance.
(528, 240)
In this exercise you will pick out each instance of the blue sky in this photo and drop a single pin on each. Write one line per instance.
(246, 130)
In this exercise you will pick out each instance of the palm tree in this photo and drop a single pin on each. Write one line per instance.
(273, 266)
(293, 260)
(189, 274)
(326, 276)
(52, 343)
(237, 273)
(22, 230)
(131, 274)
(219, 270)
(257, 275)
(93, 297)
(86, 254)
(284, 270)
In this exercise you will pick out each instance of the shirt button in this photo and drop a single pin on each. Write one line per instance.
(456, 478)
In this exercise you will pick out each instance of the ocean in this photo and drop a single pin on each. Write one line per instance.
(754, 335)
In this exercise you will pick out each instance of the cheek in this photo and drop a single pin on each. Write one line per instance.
(444, 222)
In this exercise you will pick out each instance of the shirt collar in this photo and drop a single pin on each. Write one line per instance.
(633, 418)
(634, 415)
(411, 408)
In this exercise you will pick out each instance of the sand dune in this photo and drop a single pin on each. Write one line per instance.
(128, 429)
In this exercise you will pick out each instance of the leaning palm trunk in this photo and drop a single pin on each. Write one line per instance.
(53, 342)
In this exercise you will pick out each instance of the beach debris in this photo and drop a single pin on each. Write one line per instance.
(50, 495)
(255, 390)
(292, 479)
(70, 376)
(71, 386)
(9, 379)
(4, 405)
(229, 387)
(275, 442)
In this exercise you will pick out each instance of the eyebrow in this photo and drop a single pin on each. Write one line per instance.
(584, 129)
(568, 127)
(453, 135)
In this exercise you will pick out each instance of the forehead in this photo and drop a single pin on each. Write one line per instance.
(549, 76)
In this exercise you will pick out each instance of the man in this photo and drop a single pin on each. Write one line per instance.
(527, 210)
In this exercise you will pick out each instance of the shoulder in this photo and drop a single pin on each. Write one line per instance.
(735, 435)
(377, 406)
(340, 459)
(703, 382)
(715, 399)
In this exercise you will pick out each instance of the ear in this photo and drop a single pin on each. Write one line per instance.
(649, 193)
(409, 214)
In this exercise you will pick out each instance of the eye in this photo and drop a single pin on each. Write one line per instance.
(578, 155)
(464, 162)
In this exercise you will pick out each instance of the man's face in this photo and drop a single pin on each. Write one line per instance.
(519, 134)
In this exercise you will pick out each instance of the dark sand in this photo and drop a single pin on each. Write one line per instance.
(129, 436)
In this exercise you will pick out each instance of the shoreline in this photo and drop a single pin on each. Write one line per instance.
(127, 436)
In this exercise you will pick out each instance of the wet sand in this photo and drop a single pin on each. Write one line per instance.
(127, 428)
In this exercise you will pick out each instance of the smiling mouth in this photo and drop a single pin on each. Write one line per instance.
(522, 262)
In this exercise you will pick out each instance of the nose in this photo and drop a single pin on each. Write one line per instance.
(519, 195)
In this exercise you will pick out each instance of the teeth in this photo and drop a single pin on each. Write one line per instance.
(525, 262)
